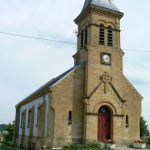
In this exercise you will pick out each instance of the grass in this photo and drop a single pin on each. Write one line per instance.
(87, 149)
(7, 148)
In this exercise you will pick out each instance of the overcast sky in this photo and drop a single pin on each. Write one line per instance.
(26, 64)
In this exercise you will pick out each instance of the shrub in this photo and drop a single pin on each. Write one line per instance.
(146, 139)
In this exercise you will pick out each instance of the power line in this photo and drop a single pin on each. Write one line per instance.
(145, 51)
(33, 37)
(57, 41)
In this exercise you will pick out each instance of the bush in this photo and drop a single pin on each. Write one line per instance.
(9, 135)
(145, 139)
(131, 146)
(144, 131)
(149, 140)
(147, 146)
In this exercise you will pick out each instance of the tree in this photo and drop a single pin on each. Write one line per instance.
(9, 135)
(144, 131)
(2, 127)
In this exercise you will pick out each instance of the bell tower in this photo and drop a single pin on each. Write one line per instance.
(104, 100)
(99, 40)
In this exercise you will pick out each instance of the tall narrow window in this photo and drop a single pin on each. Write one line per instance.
(21, 123)
(101, 35)
(86, 36)
(29, 116)
(110, 36)
(82, 38)
(70, 117)
(127, 121)
(38, 112)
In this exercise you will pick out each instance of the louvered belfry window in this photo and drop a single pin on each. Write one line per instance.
(101, 35)
(110, 36)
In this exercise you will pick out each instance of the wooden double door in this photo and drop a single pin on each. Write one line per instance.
(104, 124)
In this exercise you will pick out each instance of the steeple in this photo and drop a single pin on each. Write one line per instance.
(103, 5)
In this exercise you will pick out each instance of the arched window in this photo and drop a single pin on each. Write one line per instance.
(101, 35)
(82, 38)
(85, 36)
(110, 36)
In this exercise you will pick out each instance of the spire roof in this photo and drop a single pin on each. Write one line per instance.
(104, 5)
(108, 4)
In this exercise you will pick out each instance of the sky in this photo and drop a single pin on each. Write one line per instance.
(26, 64)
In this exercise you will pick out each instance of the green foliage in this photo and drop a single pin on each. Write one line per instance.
(131, 146)
(10, 132)
(145, 139)
(7, 148)
(147, 146)
(149, 140)
(93, 145)
(144, 128)
(2, 127)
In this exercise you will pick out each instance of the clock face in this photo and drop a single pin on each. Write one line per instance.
(106, 58)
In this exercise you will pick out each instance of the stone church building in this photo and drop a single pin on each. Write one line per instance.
(92, 101)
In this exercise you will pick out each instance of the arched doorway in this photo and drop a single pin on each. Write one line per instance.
(104, 124)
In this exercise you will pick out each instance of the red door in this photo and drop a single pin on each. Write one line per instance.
(104, 124)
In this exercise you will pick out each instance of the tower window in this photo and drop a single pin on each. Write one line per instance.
(70, 117)
(101, 35)
(82, 38)
(110, 36)
(86, 36)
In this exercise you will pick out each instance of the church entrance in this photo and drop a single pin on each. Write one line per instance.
(104, 124)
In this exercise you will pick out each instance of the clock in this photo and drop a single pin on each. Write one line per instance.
(106, 58)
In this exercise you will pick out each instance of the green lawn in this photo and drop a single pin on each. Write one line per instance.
(7, 148)
(86, 149)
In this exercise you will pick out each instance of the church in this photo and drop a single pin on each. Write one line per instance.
(91, 102)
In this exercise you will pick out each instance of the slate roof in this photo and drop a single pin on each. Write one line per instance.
(104, 5)
(109, 4)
